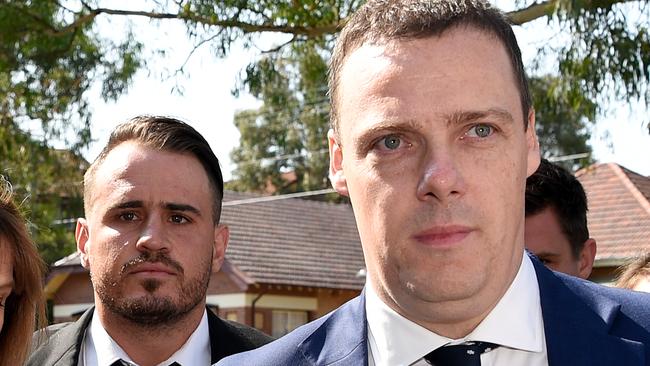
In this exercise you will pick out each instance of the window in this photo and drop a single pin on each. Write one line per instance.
(284, 321)
(259, 320)
(231, 315)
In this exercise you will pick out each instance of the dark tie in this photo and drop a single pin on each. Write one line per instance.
(121, 362)
(465, 354)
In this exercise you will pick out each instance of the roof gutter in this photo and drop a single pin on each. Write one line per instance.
(255, 300)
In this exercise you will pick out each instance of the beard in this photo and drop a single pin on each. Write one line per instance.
(152, 309)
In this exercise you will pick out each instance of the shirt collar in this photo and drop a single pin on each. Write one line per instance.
(515, 322)
(195, 351)
(106, 349)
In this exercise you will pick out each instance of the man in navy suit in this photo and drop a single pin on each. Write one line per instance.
(433, 136)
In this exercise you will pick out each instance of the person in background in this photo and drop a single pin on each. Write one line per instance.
(432, 138)
(636, 274)
(22, 305)
(151, 239)
(556, 221)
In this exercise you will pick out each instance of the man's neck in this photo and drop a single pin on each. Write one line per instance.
(149, 345)
(453, 319)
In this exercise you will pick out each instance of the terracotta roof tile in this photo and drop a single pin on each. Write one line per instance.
(619, 210)
(295, 242)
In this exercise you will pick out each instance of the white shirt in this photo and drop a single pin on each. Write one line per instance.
(99, 349)
(515, 323)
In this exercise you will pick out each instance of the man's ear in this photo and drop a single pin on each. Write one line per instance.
(532, 144)
(337, 176)
(221, 237)
(587, 256)
(82, 236)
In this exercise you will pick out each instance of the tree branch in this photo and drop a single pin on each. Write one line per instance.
(229, 23)
(546, 8)
(278, 48)
(518, 17)
(196, 46)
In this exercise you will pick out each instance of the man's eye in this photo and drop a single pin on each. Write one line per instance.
(480, 130)
(390, 142)
(128, 216)
(178, 219)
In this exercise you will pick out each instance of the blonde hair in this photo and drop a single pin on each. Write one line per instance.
(633, 271)
(25, 306)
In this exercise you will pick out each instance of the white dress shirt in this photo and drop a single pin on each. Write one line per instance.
(99, 349)
(515, 323)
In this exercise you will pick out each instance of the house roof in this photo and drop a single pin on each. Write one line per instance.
(68, 261)
(619, 211)
(285, 242)
(294, 241)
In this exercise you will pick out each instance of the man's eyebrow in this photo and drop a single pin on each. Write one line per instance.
(127, 204)
(388, 127)
(460, 117)
(547, 255)
(181, 207)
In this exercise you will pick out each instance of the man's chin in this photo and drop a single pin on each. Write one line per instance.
(149, 310)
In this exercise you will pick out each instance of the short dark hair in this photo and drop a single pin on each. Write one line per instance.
(25, 306)
(165, 134)
(632, 272)
(385, 20)
(555, 187)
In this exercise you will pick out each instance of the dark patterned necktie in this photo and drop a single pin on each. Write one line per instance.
(465, 354)
(121, 362)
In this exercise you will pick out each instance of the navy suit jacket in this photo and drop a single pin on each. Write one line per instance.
(584, 323)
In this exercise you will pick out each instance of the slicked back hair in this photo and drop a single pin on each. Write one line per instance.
(381, 21)
(552, 186)
(164, 134)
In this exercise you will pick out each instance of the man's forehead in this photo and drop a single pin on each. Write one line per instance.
(131, 171)
(124, 156)
(376, 73)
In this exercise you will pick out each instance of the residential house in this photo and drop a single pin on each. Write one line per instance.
(618, 217)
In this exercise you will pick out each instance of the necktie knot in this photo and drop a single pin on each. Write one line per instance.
(464, 354)
(121, 362)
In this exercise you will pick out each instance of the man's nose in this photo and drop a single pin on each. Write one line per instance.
(152, 236)
(440, 177)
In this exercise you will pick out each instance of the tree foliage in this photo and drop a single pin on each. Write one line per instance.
(51, 53)
(288, 132)
(47, 184)
(47, 67)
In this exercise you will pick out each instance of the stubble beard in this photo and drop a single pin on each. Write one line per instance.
(152, 309)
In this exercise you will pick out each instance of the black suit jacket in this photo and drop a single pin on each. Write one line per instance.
(62, 343)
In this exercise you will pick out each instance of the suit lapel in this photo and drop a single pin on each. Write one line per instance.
(222, 341)
(577, 322)
(63, 347)
(341, 339)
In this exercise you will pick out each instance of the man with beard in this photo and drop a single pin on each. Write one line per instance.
(150, 239)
